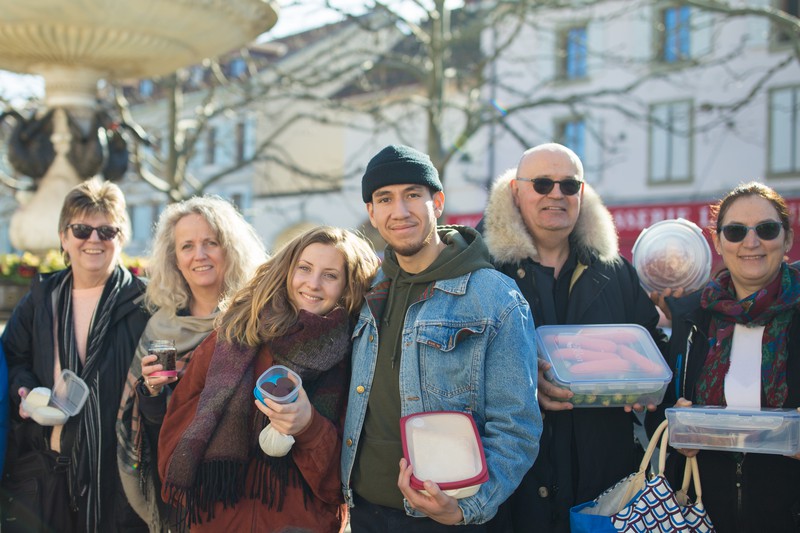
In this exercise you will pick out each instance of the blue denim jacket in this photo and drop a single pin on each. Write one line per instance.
(468, 345)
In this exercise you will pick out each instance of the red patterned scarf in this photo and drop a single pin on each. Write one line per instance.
(772, 307)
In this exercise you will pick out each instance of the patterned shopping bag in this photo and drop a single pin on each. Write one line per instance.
(636, 505)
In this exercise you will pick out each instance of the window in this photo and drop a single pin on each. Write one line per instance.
(572, 134)
(670, 142)
(241, 139)
(784, 130)
(675, 32)
(146, 88)
(197, 75)
(143, 218)
(211, 146)
(572, 43)
(237, 67)
(790, 7)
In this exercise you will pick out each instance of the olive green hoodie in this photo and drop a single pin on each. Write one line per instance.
(380, 449)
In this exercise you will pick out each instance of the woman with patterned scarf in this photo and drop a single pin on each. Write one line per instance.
(737, 343)
(297, 311)
(202, 253)
(87, 319)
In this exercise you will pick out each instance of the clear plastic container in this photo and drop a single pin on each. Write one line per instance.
(445, 447)
(671, 254)
(66, 400)
(607, 365)
(271, 378)
(771, 431)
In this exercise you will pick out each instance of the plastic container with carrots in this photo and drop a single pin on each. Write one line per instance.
(608, 365)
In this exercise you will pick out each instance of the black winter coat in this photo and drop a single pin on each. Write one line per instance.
(743, 493)
(585, 451)
(29, 348)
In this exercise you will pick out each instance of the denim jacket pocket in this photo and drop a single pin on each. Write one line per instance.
(450, 356)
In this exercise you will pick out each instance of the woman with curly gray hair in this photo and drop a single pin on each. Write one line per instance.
(202, 253)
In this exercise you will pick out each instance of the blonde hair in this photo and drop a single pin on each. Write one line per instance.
(244, 251)
(262, 309)
(95, 197)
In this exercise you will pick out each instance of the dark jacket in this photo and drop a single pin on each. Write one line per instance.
(583, 451)
(768, 496)
(29, 349)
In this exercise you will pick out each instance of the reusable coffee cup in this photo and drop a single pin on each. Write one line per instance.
(166, 353)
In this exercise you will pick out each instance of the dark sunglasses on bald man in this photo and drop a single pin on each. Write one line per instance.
(766, 231)
(84, 231)
(568, 186)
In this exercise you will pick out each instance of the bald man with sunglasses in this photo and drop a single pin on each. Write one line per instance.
(549, 231)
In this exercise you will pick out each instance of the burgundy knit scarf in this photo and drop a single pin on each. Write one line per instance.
(210, 462)
(772, 307)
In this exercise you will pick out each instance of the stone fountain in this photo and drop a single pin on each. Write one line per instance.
(74, 44)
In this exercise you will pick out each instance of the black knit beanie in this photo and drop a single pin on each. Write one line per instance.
(398, 164)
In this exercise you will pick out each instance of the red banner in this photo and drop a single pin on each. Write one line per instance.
(632, 219)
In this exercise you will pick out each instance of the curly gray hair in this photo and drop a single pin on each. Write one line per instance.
(244, 251)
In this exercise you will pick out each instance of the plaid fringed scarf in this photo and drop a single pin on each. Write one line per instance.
(134, 451)
(210, 462)
(771, 307)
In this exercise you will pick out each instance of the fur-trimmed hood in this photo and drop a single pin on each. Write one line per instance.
(508, 239)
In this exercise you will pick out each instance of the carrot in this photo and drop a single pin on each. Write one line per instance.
(620, 335)
(580, 355)
(601, 366)
(643, 363)
(586, 343)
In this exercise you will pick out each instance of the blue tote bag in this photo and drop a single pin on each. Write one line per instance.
(636, 504)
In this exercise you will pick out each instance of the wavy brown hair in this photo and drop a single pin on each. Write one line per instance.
(262, 310)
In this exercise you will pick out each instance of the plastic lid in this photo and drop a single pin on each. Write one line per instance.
(272, 375)
(445, 447)
(723, 417)
(672, 254)
(69, 393)
(601, 353)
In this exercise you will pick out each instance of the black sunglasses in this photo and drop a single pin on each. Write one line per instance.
(766, 231)
(568, 186)
(84, 231)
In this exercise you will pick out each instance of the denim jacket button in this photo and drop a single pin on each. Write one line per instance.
(371, 338)
(360, 389)
(349, 442)
(543, 492)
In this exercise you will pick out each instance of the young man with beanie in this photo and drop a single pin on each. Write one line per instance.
(441, 330)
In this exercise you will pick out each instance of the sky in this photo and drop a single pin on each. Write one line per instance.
(293, 17)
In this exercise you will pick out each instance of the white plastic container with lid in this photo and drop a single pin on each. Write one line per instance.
(444, 447)
(66, 400)
(671, 254)
(766, 430)
(608, 365)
